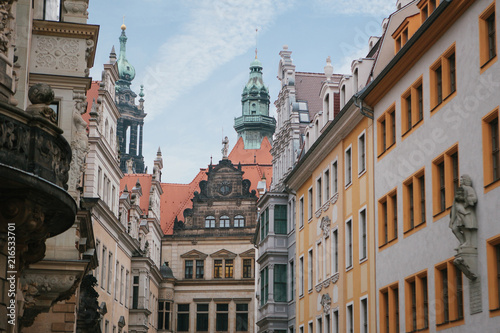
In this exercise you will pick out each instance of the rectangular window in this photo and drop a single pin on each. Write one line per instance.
(124, 280)
(222, 317)
(493, 263)
(301, 212)
(310, 203)
(118, 277)
(412, 111)
(241, 317)
(247, 268)
(350, 319)
(292, 280)
(310, 327)
(386, 130)
(182, 317)
(445, 171)
(449, 294)
(52, 10)
(200, 269)
(264, 286)
(348, 244)
(103, 268)
(388, 215)
(135, 292)
(188, 269)
(335, 177)
(348, 167)
(389, 309)
(310, 270)
(217, 268)
(417, 302)
(326, 175)
(336, 321)
(487, 37)
(280, 283)
(319, 325)
(319, 193)
(228, 268)
(202, 317)
(361, 154)
(335, 244)
(364, 316)
(163, 315)
(491, 149)
(280, 214)
(443, 81)
(327, 323)
(414, 202)
(362, 235)
(264, 224)
(301, 276)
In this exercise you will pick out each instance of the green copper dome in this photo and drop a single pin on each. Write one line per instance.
(125, 70)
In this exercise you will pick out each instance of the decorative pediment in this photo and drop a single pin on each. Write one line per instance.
(248, 254)
(224, 254)
(194, 254)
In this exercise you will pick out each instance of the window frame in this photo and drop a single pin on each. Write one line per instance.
(440, 86)
(349, 251)
(387, 206)
(414, 184)
(417, 303)
(386, 129)
(310, 270)
(363, 237)
(389, 314)
(485, 59)
(362, 160)
(310, 204)
(335, 177)
(490, 181)
(493, 271)
(448, 313)
(202, 313)
(443, 179)
(348, 166)
(412, 116)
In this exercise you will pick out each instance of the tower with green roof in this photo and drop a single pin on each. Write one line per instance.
(131, 121)
(255, 123)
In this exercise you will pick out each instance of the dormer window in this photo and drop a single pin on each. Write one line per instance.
(401, 39)
(426, 8)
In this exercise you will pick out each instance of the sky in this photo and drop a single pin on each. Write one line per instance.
(193, 58)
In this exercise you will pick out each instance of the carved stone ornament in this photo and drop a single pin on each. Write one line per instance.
(326, 302)
(318, 287)
(334, 199)
(79, 144)
(326, 283)
(6, 25)
(334, 278)
(76, 7)
(41, 95)
(325, 225)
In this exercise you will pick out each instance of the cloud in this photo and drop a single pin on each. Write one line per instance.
(356, 7)
(217, 32)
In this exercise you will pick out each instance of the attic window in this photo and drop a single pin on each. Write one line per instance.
(426, 8)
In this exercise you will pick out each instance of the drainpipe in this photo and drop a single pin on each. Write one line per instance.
(364, 111)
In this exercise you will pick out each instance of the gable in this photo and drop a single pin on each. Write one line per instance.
(224, 254)
(194, 254)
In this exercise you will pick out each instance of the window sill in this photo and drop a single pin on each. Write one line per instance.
(443, 102)
(491, 186)
(413, 230)
(348, 185)
(388, 244)
(309, 219)
(495, 312)
(362, 261)
(442, 214)
(362, 173)
(412, 129)
(487, 64)
(349, 268)
(386, 151)
(449, 324)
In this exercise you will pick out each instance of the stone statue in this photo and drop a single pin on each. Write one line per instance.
(463, 221)
(130, 166)
(225, 147)
(79, 149)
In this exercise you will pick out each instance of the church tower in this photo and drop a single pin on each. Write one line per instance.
(255, 122)
(131, 121)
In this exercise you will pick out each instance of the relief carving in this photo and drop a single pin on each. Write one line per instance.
(76, 7)
(6, 26)
(58, 53)
(325, 225)
(326, 302)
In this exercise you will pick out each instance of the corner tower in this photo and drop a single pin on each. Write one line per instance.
(131, 121)
(255, 122)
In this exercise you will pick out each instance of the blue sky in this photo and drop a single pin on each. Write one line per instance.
(193, 56)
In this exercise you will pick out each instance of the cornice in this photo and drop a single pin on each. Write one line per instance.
(62, 81)
(68, 30)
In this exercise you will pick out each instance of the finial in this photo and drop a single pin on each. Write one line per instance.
(328, 68)
(210, 159)
(123, 27)
(256, 36)
(285, 47)
(158, 153)
(141, 93)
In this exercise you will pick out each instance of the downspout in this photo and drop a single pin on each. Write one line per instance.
(364, 111)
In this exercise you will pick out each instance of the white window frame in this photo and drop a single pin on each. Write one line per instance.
(335, 244)
(347, 266)
(361, 234)
(310, 326)
(301, 329)
(347, 183)
(301, 276)
(361, 314)
(318, 193)
(335, 161)
(318, 319)
(327, 189)
(351, 324)
(302, 215)
(361, 172)
(316, 260)
(310, 204)
(310, 269)
(337, 320)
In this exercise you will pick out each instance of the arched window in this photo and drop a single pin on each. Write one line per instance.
(225, 222)
(239, 221)
(209, 222)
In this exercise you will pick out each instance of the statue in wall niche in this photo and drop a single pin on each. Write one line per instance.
(79, 149)
(130, 166)
(463, 221)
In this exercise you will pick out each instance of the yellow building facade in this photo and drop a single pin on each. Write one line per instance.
(335, 229)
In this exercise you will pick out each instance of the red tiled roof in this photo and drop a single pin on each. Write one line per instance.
(92, 94)
(248, 156)
(145, 180)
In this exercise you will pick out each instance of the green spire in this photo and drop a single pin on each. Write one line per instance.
(141, 93)
(125, 70)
